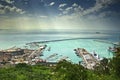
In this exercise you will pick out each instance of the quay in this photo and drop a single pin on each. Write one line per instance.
(89, 61)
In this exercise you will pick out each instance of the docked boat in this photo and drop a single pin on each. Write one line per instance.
(96, 56)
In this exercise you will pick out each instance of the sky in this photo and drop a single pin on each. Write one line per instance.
(30, 15)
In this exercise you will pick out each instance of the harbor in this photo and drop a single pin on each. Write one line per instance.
(53, 52)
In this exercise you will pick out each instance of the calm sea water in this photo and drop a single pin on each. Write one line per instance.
(62, 48)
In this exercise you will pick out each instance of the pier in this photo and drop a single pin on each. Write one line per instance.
(89, 61)
(59, 40)
(37, 52)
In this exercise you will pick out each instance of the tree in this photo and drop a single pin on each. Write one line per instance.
(67, 71)
(115, 66)
(102, 68)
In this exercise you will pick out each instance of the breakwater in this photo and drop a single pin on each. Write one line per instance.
(46, 41)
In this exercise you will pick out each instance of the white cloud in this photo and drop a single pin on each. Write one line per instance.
(61, 9)
(66, 10)
(62, 5)
(76, 9)
(73, 10)
(99, 5)
(75, 5)
(20, 11)
(9, 1)
(69, 8)
(52, 3)
(10, 9)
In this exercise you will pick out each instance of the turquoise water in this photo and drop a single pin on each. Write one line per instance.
(66, 48)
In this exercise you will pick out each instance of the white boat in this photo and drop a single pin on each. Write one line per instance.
(96, 56)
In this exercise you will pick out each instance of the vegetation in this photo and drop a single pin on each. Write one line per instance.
(108, 69)
(25, 72)
(68, 71)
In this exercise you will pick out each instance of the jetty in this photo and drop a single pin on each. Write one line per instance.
(89, 61)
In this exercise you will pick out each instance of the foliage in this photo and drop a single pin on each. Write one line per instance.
(102, 68)
(25, 72)
(67, 71)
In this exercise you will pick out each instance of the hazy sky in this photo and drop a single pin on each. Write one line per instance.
(60, 14)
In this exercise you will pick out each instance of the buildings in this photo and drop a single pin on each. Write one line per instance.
(6, 55)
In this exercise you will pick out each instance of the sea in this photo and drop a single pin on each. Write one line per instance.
(92, 41)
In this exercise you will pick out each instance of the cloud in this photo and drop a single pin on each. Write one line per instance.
(5, 9)
(78, 17)
(77, 10)
(99, 5)
(9, 1)
(69, 8)
(62, 5)
(75, 5)
(74, 8)
(52, 3)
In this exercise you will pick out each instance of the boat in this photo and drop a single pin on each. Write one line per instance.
(96, 56)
